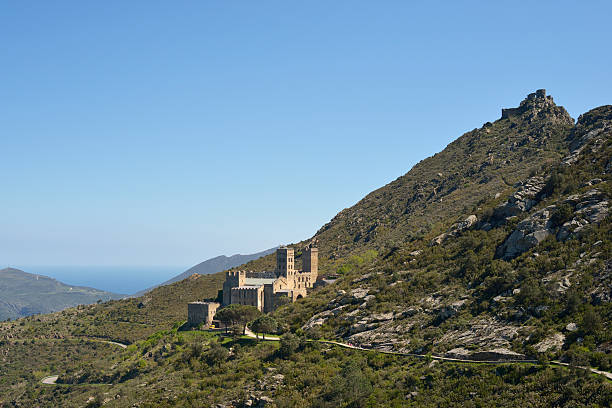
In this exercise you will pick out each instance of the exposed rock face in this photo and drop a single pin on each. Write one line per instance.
(528, 233)
(589, 208)
(482, 333)
(537, 104)
(523, 200)
(359, 293)
(603, 284)
(498, 354)
(456, 229)
(554, 342)
(594, 125)
(450, 310)
(559, 282)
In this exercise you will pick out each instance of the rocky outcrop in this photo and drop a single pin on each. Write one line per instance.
(551, 343)
(558, 282)
(523, 200)
(450, 310)
(538, 105)
(320, 318)
(498, 354)
(602, 282)
(594, 126)
(456, 229)
(481, 334)
(588, 208)
(527, 234)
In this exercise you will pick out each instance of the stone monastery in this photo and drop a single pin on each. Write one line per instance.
(264, 290)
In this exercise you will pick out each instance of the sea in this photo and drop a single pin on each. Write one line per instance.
(125, 280)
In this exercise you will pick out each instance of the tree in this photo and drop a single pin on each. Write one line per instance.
(289, 344)
(236, 314)
(246, 314)
(216, 355)
(591, 321)
(227, 316)
(264, 324)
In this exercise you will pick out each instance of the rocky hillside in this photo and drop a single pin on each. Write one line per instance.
(524, 268)
(497, 248)
(482, 164)
(23, 294)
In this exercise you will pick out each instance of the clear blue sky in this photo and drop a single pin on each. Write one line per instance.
(165, 133)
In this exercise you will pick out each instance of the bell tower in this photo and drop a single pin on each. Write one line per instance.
(311, 260)
(285, 263)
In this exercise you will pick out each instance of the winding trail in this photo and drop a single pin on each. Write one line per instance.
(249, 333)
(593, 370)
(52, 379)
(605, 374)
(124, 346)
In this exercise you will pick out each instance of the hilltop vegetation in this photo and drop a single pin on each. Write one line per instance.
(497, 247)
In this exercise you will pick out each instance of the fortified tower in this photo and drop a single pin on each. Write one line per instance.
(233, 279)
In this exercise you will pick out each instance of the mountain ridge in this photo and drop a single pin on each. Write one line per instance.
(212, 265)
(23, 294)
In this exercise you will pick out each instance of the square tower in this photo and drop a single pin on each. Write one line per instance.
(285, 263)
(310, 260)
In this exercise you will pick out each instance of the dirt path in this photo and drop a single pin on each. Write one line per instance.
(115, 343)
(593, 370)
(53, 378)
(50, 379)
(250, 333)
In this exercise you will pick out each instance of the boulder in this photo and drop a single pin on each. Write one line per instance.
(359, 293)
(455, 230)
(571, 327)
(528, 233)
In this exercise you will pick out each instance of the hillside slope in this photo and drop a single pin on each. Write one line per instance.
(476, 167)
(23, 294)
(497, 248)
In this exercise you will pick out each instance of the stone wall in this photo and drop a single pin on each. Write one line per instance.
(201, 313)
(248, 295)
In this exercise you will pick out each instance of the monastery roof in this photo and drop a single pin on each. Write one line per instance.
(247, 287)
(258, 281)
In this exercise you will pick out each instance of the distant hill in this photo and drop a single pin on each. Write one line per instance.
(23, 294)
(212, 265)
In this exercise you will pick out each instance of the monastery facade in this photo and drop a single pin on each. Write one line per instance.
(266, 290)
